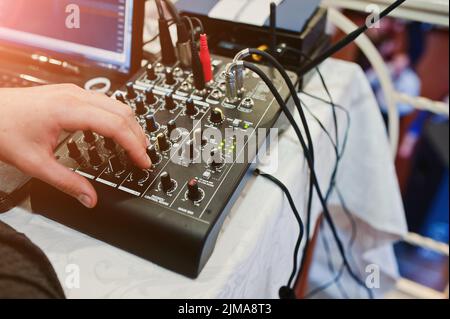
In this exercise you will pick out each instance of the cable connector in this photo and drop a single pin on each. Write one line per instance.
(205, 57)
(197, 69)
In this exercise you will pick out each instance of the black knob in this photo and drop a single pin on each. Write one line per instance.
(116, 165)
(190, 107)
(171, 126)
(131, 93)
(217, 116)
(152, 125)
(163, 143)
(194, 193)
(151, 74)
(74, 151)
(153, 154)
(199, 140)
(150, 98)
(140, 107)
(109, 144)
(170, 79)
(216, 159)
(89, 137)
(167, 183)
(94, 158)
(120, 97)
(170, 103)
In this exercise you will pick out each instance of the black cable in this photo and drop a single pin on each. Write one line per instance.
(155, 37)
(329, 192)
(338, 276)
(327, 214)
(288, 292)
(310, 153)
(348, 39)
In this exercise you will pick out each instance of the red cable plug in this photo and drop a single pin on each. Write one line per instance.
(205, 57)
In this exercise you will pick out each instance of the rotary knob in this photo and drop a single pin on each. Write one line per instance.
(139, 176)
(120, 97)
(152, 125)
(140, 107)
(199, 140)
(170, 79)
(216, 116)
(216, 159)
(74, 151)
(167, 183)
(109, 144)
(94, 157)
(89, 137)
(194, 193)
(131, 93)
(191, 110)
(151, 74)
(150, 97)
(170, 103)
(153, 154)
(163, 143)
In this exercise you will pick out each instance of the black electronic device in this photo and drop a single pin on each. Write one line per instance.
(172, 213)
(300, 25)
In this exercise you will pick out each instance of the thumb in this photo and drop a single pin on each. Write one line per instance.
(68, 182)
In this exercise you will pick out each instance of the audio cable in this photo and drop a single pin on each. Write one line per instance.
(287, 292)
(327, 214)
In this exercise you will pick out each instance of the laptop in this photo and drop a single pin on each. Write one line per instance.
(92, 43)
(96, 44)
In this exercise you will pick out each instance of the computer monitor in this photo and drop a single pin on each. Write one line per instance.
(103, 32)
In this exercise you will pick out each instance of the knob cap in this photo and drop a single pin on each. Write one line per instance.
(170, 79)
(167, 183)
(152, 125)
(89, 137)
(170, 103)
(153, 154)
(120, 97)
(109, 144)
(216, 159)
(131, 93)
(163, 144)
(194, 193)
(190, 107)
(140, 107)
(171, 126)
(217, 116)
(151, 74)
(74, 151)
(199, 140)
(94, 158)
(150, 98)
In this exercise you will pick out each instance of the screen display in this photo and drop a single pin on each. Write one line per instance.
(94, 30)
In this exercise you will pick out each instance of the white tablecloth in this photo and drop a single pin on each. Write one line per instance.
(253, 256)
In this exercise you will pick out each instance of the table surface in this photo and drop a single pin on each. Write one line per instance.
(253, 255)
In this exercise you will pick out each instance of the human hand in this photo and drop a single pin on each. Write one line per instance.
(32, 119)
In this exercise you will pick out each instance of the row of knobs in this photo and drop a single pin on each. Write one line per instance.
(170, 76)
(117, 165)
(193, 189)
(216, 116)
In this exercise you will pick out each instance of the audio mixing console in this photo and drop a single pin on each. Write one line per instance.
(172, 213)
